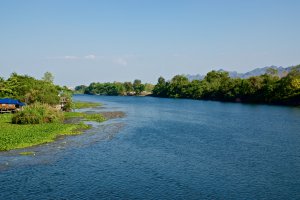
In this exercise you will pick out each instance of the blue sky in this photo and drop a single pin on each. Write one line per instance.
(81, 41)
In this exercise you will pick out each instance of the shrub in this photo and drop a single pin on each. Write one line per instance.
(37, 113)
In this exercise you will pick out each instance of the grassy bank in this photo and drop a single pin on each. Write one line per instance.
(96, 117)
(83, 104)
(15, 136)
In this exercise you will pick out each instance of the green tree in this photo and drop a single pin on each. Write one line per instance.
(267, 88)
(160, 88)
(138, 87)
(178, 86)
(216, 84)
(48, 77)
(80, 89)
(194, 90)
(30, 90)
(149, 87)
(128, 87)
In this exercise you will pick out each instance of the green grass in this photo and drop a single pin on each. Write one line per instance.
(94, 117)
(97, 117)
(27, 153)
(15, 136)
(83, 104)
(73, 114)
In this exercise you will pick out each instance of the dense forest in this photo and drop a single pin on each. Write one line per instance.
(266, 88)
(30, 90)
(116, 88)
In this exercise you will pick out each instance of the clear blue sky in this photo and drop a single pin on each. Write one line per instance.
(81, 41)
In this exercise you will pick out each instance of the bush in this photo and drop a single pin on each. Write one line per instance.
(37, 113)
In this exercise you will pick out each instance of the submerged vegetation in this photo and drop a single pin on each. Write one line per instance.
(266, 88)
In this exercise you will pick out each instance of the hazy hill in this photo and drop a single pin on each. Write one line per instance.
(256, 72)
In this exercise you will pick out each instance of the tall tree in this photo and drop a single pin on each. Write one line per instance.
(48, 77)
(178, 86)
(138, 86)
(160, 88)
(128, 87)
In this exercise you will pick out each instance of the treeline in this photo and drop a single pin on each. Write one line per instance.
(116, 88)
(267, 88)
(30, 90)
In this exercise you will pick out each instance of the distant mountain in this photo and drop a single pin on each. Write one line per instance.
(256, 72)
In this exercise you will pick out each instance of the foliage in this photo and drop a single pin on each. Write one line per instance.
(149, 87)
(112, 89)
(138, 87)
(115, 88)
(37, 113)
(267, 88)
(66, 95)
(48, 77)
(80, 89)
(38, 122)
(160, 89)
(128, 87)
(13, 136)
(29, 90)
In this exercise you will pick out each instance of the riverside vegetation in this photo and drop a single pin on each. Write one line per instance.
(116, 88)
(14, 136)
(39, 122)
(83, 104)
(267, 88)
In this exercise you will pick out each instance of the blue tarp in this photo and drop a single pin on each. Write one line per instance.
(11, 101)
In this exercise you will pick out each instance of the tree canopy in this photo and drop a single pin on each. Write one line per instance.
(48, 77)
(115, 88)
(30, 90)
(266, 88)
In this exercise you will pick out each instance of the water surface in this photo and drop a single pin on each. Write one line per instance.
(165, 149)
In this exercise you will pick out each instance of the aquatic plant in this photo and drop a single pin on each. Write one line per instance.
(14, 136)
(83, 104)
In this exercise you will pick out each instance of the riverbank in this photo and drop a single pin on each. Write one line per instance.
(83, 104)
(15, 136)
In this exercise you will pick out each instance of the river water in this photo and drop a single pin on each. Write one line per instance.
(165, 149)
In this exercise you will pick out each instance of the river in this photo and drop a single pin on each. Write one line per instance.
(165, 149)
